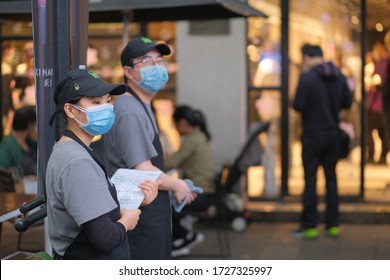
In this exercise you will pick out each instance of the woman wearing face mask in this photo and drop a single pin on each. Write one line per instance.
(84, 217)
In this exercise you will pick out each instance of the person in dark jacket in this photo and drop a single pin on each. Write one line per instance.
(321, 94)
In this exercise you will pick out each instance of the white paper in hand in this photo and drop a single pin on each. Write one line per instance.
(127, 183)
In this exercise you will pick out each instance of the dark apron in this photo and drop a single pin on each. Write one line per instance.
(152, 237)
(81, 248)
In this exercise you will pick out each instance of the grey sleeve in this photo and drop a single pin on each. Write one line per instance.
(85, 191)
(133, 139)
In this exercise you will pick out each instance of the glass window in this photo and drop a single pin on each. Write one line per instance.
(264, 64)
(264, 45)
(262, 159)
(16, 28)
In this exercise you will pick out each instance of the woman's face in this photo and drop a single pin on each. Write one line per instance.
(183, 127)
(86, 102)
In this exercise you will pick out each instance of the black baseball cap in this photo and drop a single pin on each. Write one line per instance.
(139, 47)
(79, 83)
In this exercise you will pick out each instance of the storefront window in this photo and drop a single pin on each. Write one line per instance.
(264, 99)
(264, 45)
(16, 28)
(17, 72)
(335, 26)
(105, 44)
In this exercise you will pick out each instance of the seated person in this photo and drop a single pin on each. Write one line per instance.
(18, 151)
(194, 159)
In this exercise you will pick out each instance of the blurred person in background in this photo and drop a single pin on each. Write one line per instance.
(321, 94)
(195, 162)
(374, 104)
(18, 151)
(7, 84)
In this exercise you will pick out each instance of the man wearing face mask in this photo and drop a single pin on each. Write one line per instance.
(133, 142)
(84, 218)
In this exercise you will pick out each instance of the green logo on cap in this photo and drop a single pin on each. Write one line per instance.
(76, 86)
(94, 75)
(146, 40)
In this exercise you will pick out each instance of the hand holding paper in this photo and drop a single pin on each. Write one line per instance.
(150, 190)
(127, 182)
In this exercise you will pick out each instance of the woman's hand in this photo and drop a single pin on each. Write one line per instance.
(129, 218)
(150, 190)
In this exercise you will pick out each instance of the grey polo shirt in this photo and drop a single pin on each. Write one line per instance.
(130, 141)
(77, 192)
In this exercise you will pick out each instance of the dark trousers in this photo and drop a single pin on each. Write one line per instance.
(200, 204)
(320, 148)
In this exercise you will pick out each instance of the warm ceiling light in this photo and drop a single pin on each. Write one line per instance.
(354, 20)
(379, 27)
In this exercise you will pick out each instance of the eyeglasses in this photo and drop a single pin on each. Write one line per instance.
(148, 61)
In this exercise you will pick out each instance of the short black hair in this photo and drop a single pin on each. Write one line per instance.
(312, 50)
(23, 117)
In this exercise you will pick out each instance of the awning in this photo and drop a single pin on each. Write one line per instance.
(145, 10)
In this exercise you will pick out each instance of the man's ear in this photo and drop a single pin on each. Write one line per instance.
(128, 72)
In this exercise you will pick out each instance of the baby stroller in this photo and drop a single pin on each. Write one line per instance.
(227, 180)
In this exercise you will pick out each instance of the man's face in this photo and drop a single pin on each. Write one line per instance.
(151, 58)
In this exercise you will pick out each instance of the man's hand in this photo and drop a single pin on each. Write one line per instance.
(191, 197)
(150, 191)
(184, 192)
(181, 191)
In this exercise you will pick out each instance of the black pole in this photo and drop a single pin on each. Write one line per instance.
(54, 51)
(363, 36)
(44, 82)
(79, 32)
(1, 86)
(285, 101)
(62, 46)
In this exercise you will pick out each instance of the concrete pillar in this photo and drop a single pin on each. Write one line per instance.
(212, 77)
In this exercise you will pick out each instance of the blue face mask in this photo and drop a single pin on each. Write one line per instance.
(100, 119)
(153, 78)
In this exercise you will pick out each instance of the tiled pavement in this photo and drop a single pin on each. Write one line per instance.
(262, 240)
